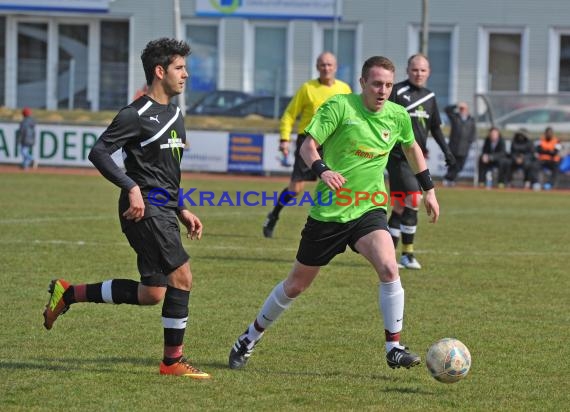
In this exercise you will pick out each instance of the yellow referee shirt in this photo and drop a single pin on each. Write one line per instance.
(306, 101)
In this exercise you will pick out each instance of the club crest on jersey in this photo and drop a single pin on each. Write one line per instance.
(385, 135)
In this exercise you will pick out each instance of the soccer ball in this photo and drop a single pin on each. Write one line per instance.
(448, 360)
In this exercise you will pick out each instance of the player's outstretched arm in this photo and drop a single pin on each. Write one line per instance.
(418, 164)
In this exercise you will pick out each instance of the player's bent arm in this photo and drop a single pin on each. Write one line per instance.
(418, 164)
(100, 156)
(309, 152)
(415, 157)
(311, 157)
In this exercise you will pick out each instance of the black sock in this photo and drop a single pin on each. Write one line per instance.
(284, 197)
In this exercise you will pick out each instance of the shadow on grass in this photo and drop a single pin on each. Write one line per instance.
(77, 364)
(333, 375)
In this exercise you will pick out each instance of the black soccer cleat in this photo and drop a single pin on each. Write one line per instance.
(402, 357)
(240, 353)
(269, 225)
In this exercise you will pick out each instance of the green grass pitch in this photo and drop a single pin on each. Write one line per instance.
(495, 276)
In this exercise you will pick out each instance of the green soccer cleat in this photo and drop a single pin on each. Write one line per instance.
(56, 305)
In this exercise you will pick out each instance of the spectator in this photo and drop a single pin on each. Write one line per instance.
(548, 149)
(521, 157)
(27, 138)
(494, 152)
(463, 134)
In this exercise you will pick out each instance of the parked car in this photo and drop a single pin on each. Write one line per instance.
(217, 102)
(263, 106)
(535, 119)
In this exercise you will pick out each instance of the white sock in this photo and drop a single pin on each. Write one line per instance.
(391, 296)
(275, 304)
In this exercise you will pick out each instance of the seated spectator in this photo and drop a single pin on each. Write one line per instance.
(522, 157)
(493, 154)
(548, 150)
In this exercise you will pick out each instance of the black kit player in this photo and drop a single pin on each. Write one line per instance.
(151, 133)
(421, 104)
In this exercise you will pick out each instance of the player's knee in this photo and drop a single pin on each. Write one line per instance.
(409, 217)
(181, 277)
(294, 286)
(151, 295)
(413, 201)
(389, 271)
(295, 188)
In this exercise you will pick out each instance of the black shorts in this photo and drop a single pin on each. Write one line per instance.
(156, 240)
(402, 179)
(302, 172)
(322, 241)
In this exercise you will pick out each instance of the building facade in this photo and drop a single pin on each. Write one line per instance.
(85, 53)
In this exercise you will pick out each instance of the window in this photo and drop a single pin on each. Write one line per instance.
(504, 67)
(72, 67)
(203, 62)
(345, 54)
(269, 77)
(113, 92)
(503, 60)
(2, 59)
(32, 65)
(564, 64)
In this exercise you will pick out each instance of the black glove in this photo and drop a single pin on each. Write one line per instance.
(450, 159)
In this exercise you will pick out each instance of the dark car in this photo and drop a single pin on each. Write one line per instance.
(264, 106)
(216, 102)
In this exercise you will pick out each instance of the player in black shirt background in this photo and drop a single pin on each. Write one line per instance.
(421, 104)
(150, 131)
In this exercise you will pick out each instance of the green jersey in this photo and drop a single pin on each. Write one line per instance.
(356, 143)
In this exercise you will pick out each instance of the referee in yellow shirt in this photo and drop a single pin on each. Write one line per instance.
(305, 103)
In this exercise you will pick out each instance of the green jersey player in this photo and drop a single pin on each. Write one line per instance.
(357, 133)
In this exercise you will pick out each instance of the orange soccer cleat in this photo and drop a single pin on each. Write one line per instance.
(55, 306)
(183, 368)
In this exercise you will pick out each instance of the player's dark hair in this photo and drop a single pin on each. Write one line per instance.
(377, 61)
(161, 52)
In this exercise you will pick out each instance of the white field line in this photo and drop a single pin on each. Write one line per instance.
(51, 219)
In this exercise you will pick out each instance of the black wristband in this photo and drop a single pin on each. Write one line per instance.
(318, 167)
(424, 179)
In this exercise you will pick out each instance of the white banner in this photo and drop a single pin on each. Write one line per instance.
(207, 151)
(269, 9)
(90, 6)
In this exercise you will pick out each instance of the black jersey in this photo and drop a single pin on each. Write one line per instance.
(152, 137)
(422, 107)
